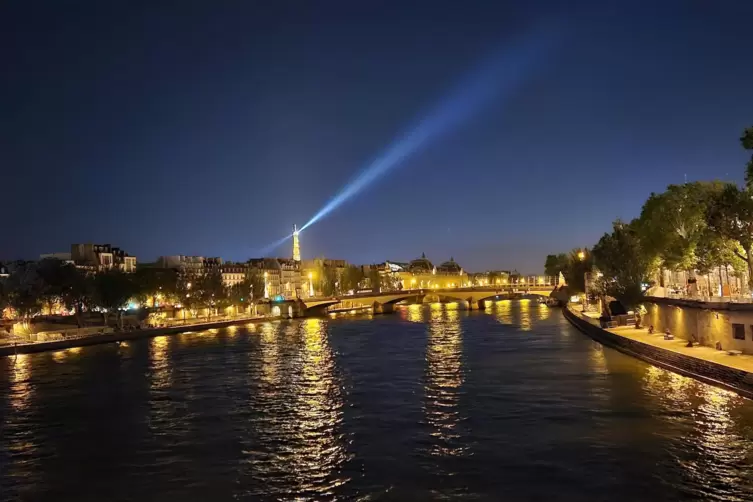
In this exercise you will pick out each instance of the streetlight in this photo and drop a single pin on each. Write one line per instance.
(581, 255)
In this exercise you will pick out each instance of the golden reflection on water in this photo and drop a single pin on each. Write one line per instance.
(415, 312)
(544, 312)
(269, 353)
(301, 449)
(444, 378)
(503, 311)
(60, 356)
(20, 381)
(597, 359)
(711, 429)
(525, 314)
(161, 370)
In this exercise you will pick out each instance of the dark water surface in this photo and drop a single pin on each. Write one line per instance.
(429, 403)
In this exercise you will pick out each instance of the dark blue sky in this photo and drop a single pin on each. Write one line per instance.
(212, 127)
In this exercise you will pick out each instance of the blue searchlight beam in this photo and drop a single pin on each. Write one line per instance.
(268, 249)
(496, 77)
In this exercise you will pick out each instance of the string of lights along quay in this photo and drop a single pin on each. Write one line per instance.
(430, 402)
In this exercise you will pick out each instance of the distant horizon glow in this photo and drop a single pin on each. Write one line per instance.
(496, 77)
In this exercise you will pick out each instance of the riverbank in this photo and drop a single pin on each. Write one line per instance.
(119, 336)
(715, 367)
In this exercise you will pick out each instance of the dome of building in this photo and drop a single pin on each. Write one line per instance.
(450, 267)
(421, 265)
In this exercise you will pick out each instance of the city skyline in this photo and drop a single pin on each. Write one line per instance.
(218, 127)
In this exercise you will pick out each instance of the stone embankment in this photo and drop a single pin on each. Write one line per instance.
(718, 368)
(118, 336)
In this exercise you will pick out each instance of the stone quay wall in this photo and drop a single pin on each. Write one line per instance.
(736, 380)
(117, 336)
(707, 323)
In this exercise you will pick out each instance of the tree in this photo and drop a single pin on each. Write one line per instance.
(188, 299)
(578, 262)
(391, 282)
(555, 263)
(625, 265)
(211, 290)
(493, 278)
(351, 278)
(328, 281)
(239, 295)
(747, 141)
(714, 252)
(672, 222)
(255, 279)
(154, 281)
(731, 217)
(52, 273)
(77, 291)
(24, 290)
(113, 290)
(375, 279)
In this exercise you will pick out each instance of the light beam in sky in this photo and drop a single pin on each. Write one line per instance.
(271, 247)
(497, 77)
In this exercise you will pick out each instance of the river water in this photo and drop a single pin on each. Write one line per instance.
(431, 402)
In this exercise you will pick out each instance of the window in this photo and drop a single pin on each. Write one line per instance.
(738, 331)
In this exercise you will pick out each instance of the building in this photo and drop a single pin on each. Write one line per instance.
(422, 274)
(313, 272)
(233, 273)
(99, 257)
(270, 269)
(290, 278)
(190, 265)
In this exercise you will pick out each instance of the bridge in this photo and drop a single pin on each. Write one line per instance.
(384, 302)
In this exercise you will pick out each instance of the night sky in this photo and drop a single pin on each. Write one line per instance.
(210, 128)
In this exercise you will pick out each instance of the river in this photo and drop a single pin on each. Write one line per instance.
(430, 402)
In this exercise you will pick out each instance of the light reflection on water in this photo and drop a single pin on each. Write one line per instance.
(713, 442)
(444, 378)
(525, 314)
(298, 447)
(455, 403)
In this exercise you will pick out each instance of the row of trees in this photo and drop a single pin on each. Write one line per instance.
(33, 287)
(332, 282)
(696, 227)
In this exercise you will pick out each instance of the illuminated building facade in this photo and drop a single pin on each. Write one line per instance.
(233, 273)
(422, 274)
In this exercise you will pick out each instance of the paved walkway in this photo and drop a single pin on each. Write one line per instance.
(741, 362)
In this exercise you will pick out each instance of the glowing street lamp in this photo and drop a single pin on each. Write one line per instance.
(581, 255)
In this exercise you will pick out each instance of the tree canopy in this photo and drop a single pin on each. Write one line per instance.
(624, 263)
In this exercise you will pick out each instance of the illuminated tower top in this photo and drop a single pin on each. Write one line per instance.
(296, 245)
